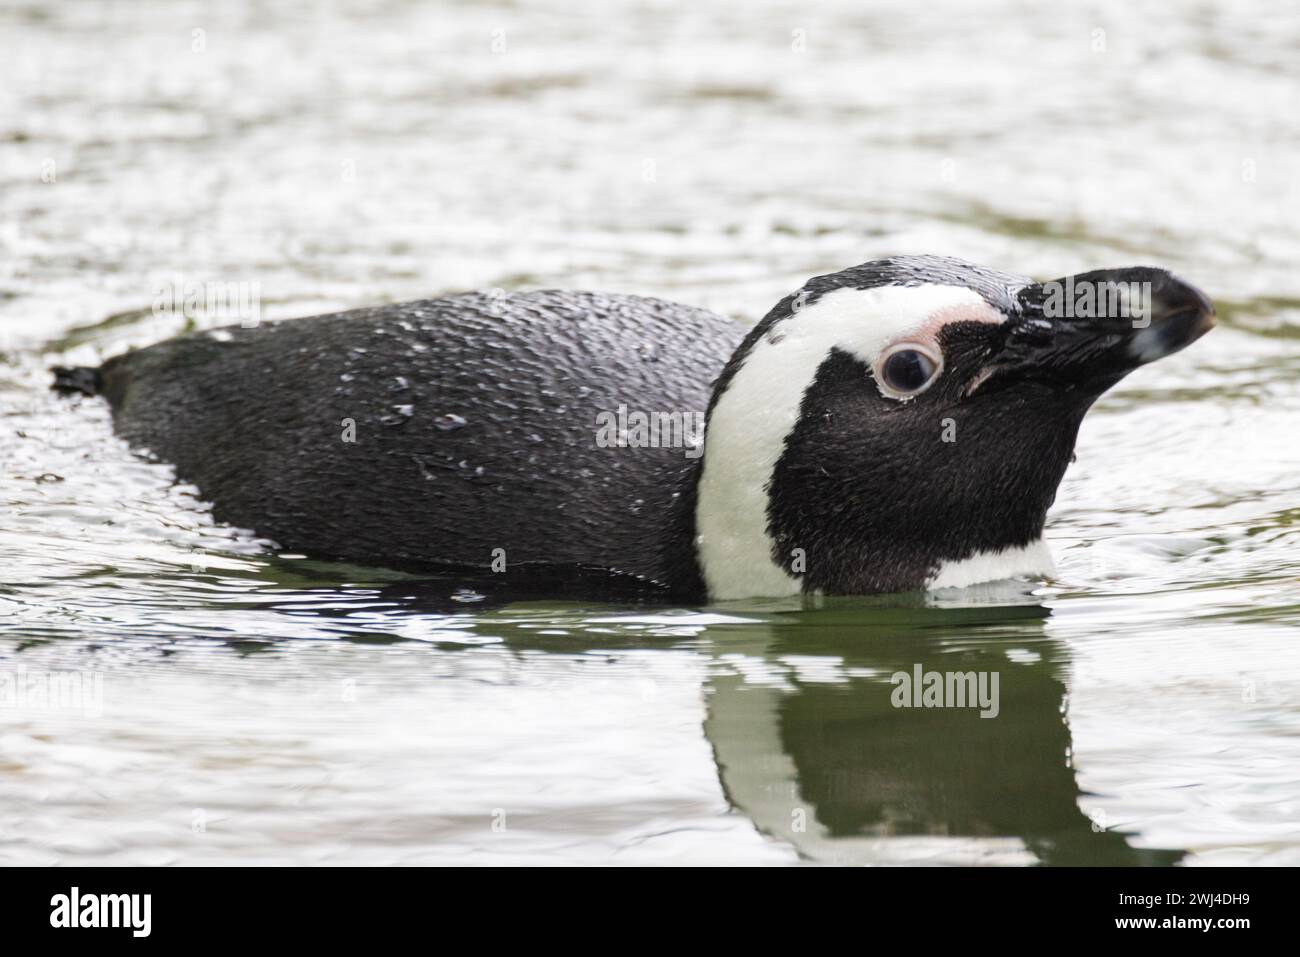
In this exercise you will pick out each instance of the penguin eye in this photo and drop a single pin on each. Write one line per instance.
(907, 369)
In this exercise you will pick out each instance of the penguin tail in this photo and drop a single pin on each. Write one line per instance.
(82, 380)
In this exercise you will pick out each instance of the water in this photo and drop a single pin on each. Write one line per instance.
(245, 707)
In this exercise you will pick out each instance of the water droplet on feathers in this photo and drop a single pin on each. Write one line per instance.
(402, 413)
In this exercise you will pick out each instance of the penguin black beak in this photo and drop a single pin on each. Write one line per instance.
(1090, 330)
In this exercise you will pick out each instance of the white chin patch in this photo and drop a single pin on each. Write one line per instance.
(750, 422)
(1029, 561)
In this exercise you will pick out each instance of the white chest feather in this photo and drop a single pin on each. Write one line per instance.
(1030, 561)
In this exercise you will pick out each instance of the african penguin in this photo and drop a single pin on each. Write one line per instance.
(898, 425)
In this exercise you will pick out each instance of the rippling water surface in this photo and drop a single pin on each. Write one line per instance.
(238, 706)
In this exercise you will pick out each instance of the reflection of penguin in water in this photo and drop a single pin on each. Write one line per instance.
(809, 746)
(827, 763)
(900, 424)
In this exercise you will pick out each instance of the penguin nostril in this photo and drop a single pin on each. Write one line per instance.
(979, 380)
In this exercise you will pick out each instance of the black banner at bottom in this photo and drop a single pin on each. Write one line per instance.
(335, 905)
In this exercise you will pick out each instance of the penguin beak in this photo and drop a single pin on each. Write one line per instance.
(1090, 330)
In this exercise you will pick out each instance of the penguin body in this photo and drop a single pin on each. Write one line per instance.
(431, 434)
(896, 425)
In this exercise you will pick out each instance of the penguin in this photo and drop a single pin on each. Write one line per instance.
(896, 426)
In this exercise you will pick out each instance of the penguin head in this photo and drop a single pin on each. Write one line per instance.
(905, 423)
